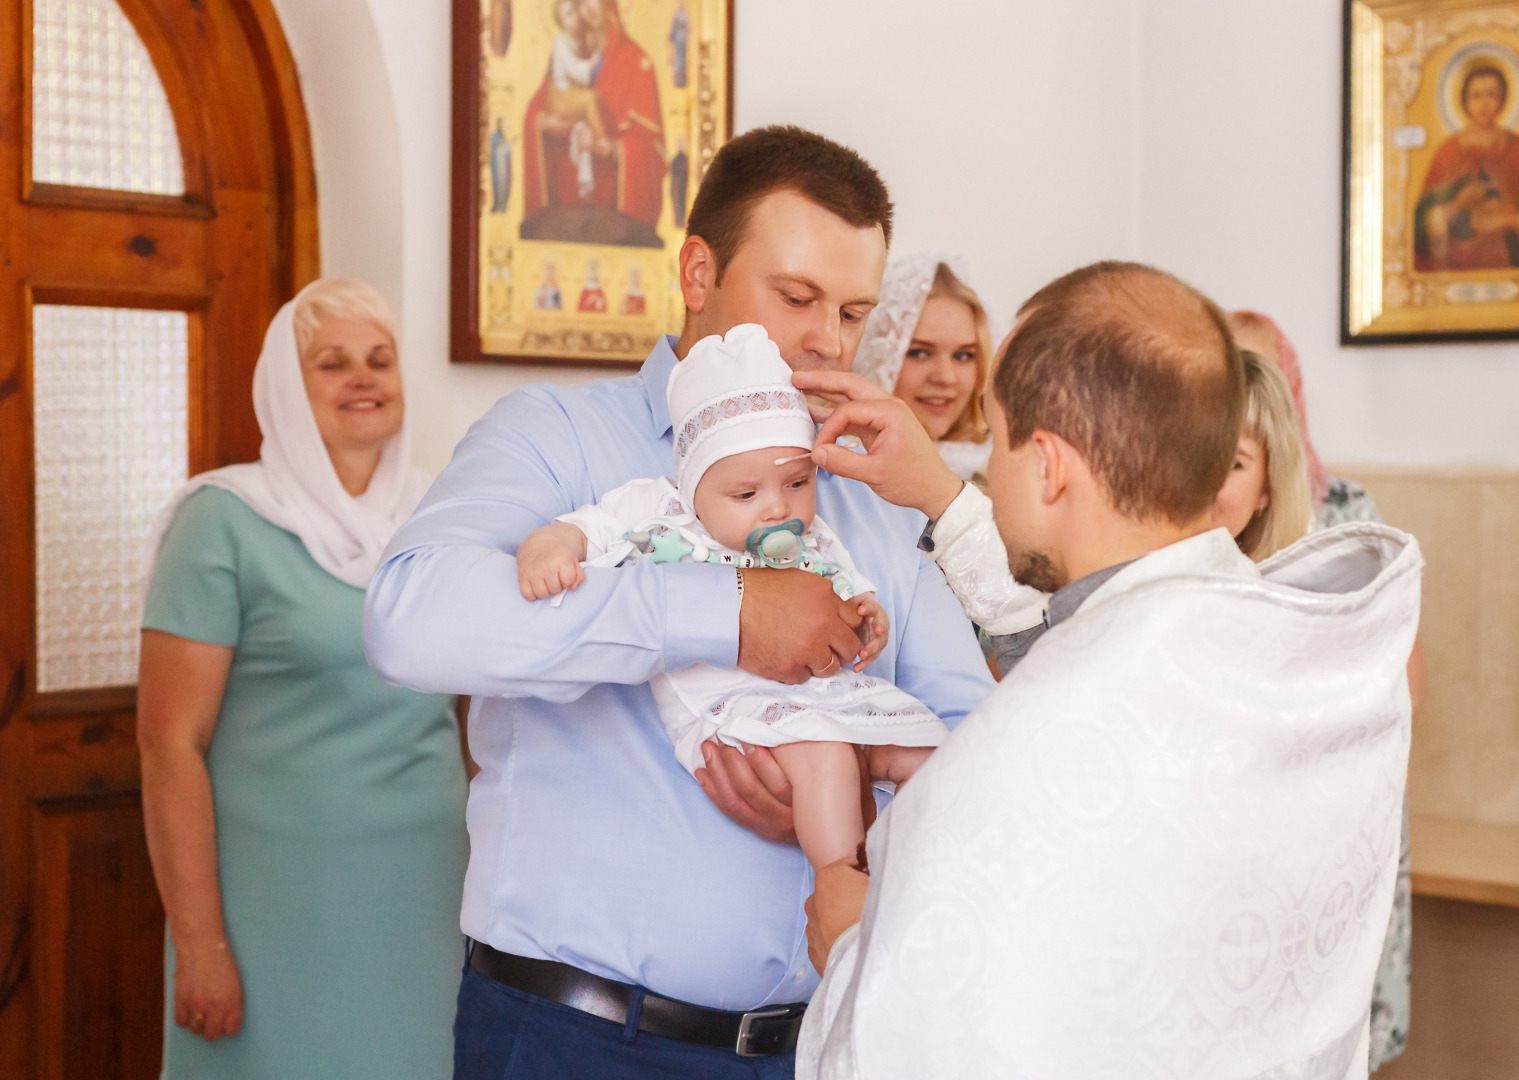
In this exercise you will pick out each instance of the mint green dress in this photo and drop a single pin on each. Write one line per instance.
(339, 817)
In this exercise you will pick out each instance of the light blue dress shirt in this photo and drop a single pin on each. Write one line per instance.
(589, 843)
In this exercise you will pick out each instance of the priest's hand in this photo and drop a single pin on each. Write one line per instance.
(792, 627)
(900, 463)
(836, 903)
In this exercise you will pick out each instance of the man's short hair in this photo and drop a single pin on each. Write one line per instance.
(1136, 370)
(783, 158)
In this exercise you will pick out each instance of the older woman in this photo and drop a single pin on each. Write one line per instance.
(305, 820)
(927, 342)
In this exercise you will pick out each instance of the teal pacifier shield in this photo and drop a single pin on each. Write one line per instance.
(786, 534)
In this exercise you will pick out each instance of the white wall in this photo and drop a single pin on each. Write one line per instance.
(1239, 192)
(1197, 134)
(922, 91)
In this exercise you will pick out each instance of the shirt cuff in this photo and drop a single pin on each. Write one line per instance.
(701, 615)
(969, 509)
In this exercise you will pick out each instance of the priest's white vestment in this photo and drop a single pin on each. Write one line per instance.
(1164, 847)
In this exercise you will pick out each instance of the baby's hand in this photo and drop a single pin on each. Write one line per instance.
(876, 627)
(547, 563)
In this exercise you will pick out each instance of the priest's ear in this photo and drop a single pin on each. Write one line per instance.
(1056, 461)
(698, 272)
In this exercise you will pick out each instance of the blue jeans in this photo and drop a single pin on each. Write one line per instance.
(503, 1034)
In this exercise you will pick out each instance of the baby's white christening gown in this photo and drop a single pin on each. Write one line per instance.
(738, 707)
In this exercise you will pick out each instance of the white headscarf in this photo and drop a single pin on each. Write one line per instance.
(904, 290)
(888, 332)
(294, 484)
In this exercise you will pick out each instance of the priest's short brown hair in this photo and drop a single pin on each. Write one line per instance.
(1139, 373)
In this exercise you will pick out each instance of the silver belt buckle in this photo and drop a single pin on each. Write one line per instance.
(746, 1025)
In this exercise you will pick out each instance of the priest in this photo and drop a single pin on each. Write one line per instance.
(1166, 844)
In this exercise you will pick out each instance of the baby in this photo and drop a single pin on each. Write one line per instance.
(571, 96)
(745, 496)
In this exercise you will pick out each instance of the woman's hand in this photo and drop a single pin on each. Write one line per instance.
(876, 627)
(900, 464)
(548, 561)
(208, 992)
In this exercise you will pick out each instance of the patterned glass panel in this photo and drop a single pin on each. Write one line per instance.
(110, 400)
(100, 117)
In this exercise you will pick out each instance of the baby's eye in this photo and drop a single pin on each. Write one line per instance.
(744, 496)
(801, 483)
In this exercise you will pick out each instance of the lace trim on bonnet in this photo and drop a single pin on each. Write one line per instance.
(731, 409)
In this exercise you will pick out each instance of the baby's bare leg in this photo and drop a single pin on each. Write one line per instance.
(825, 798)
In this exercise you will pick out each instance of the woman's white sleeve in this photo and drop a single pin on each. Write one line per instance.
(970, 553)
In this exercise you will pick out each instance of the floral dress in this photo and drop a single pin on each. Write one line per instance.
(1348, 501)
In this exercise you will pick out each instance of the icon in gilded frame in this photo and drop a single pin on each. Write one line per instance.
(1431, 171)
(582, 128)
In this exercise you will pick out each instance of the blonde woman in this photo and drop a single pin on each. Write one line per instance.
(1265, 503)
(928, 343)
(305, 819)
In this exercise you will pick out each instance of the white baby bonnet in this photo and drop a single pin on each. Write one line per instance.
(888, 331)
(730, 395)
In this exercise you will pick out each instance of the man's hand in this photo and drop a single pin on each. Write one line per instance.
(750, 789)
(900, 463)
(836, 903)
(791, 626)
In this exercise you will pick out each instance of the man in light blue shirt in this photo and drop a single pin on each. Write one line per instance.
(600, 877)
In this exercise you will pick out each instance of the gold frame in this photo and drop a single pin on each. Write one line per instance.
(1391, 48)
(626, 259)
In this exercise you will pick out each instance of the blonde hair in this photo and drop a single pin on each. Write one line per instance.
(971, 425)
(1271, 419)
(339, 298)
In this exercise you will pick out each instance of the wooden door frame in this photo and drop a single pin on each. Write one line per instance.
(240, 242)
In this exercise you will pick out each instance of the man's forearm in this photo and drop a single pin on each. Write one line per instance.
(452, 619)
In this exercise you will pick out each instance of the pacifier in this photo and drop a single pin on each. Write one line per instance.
(779, 546)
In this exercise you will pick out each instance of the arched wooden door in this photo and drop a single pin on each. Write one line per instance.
(157, 204)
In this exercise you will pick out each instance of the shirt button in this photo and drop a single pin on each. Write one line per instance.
(802, 974)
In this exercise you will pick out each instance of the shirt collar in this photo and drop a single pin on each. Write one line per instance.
(655, 374)
(1065, 600)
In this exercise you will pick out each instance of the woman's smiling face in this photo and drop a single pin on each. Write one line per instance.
(353, 381)
(939, 371)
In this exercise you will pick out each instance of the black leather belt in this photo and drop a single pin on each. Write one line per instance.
(762, 1033)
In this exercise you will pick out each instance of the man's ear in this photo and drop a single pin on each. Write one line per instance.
(1053, 455)
(698, 272)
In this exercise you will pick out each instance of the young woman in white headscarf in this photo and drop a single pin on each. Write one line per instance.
(928, 343)
(305, 820)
